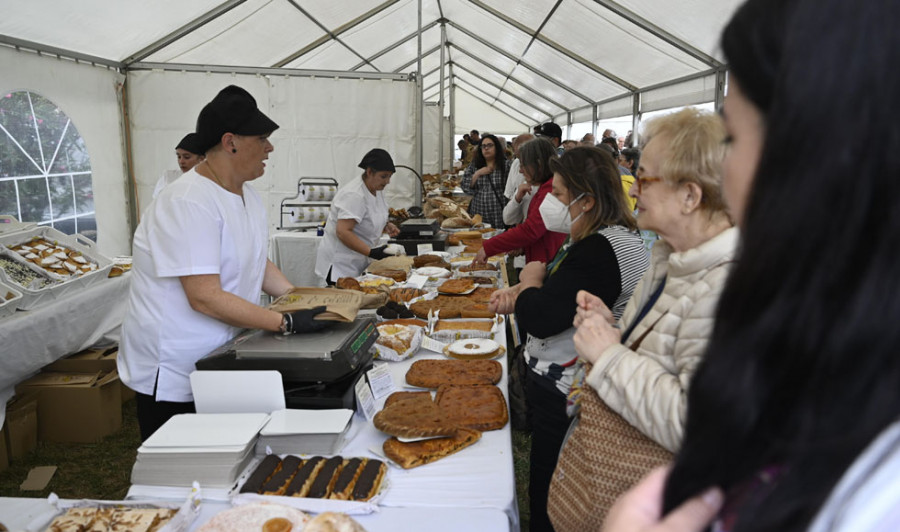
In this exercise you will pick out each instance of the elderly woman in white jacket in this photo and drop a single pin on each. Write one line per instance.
(638, 370)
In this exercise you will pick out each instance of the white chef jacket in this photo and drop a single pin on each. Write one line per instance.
(194, 227)
(167, 177)
(353, 201)
(515, 212)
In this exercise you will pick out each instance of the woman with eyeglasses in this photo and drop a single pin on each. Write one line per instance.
(638, 369)
(603, 255)
(485, 180)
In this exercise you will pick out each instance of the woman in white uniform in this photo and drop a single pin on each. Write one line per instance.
(358, 217)
(189, 154)
(200, 263)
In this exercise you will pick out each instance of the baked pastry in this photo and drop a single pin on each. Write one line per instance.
(483, 280)
(456, 286)
(433, 373)
(254, 516)
(463, 325)
(448, 308)
(455, 222)
(261, 474)
(325, 478)
(413, 419)
(279, 480)
(348, 283)
(370, 478)
(476, 407)
(396, 397)
(346, 479)
(413, 454)
(302, 481)
(396, 337)
(403, 295)
(482, 294)
(93, 518)
(477, 310)
(397, 275)
(473, 349)
(392, 310)
(427, 260)
(333, 522)
(478, 267)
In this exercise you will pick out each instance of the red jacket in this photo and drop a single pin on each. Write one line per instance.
(530, 235)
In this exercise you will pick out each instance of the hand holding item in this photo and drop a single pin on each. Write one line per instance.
(588, 305)
(391, 229)
(594, 336)
(303, 321)
(503, 301)
(533, 274)
(480, 257)
(640, 509)
(395, 249)
(378, 253)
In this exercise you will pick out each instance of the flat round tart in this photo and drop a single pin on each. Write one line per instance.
(253, 516)
(474, 349)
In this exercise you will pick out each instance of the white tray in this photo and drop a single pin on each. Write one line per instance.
(33, 298)
(9, 306)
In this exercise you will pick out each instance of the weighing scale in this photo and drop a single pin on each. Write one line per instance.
(319, 370)
(417, 231)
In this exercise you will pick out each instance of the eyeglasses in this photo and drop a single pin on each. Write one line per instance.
(483, 146)
(641, 181)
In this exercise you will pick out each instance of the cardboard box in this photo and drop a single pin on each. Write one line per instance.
(4, 459)
(91, 361)
(76, 407)
(21, 425)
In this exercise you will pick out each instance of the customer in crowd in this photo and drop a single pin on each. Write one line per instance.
(200, 263)
(793, 414)
(532, 236)
(608, 134)
(554, 134)
(357, 219)
(604, 256)
(609, 144)
(463, 151)
(637, 375)
(485, 180)
(514, 211)
(630, 159)
(188, 155)
(587, 139)
(569, 144)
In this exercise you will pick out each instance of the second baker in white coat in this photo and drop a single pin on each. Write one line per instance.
(358, 217)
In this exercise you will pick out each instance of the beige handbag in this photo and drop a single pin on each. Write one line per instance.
(603, 457)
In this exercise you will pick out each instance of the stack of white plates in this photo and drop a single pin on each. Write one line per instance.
(305, 432)
(212, 449)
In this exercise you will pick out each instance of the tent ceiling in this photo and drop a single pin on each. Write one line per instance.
(529, 60)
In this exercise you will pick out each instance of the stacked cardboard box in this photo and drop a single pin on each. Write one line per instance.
(21, 428)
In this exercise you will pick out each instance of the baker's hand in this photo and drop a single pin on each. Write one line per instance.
(378, 253)
(587, 304)
(640, 509)
(594, 336)
(391, 229)
(303, 321)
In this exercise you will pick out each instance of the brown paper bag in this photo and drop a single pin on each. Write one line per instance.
(340, 305)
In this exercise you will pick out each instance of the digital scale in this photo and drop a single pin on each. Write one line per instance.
(417, 231)
(319, 369)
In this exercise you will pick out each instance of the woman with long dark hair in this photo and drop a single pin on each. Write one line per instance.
(485, 180)
(802, 373)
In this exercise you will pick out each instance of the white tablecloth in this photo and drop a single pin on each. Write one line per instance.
(295, 255)
(34, 338)
(18, 513)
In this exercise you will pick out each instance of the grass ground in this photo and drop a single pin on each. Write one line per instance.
(103, 470)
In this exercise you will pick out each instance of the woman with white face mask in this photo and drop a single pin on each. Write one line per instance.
(639, 366)
(603, 255)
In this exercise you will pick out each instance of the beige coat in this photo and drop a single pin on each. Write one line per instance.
(648, 387)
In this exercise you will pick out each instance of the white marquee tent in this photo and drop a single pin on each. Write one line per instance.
(340, 78)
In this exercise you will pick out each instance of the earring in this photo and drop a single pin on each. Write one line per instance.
(233, 150)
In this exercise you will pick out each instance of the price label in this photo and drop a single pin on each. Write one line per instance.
(380, 380)
(364, 399)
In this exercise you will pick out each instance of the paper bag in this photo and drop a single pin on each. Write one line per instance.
(340, 305)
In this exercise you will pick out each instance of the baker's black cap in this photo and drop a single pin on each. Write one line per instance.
(191, 142)
(379, 160)
(233, 110)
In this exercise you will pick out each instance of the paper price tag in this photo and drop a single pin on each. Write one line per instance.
(432, 344)
(364, 399)
(381, 381)
(421, 249)
(416, 281)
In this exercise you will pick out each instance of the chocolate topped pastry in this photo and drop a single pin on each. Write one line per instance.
(343, 486)
(324, 482)
(369, 480)
(261, 474)
(278, 482)
(299, 487)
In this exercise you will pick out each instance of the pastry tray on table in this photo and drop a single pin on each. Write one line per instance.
(9, 306)
(32, 298)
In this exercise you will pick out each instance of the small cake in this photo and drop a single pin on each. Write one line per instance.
(463, 325)
(473, 349)
(348, 283)
(477, 310)
(254, 516)
(396, 337)
(456, 286)
(333, 522)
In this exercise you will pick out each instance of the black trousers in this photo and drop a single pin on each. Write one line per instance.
(153, 414)
(549, 423)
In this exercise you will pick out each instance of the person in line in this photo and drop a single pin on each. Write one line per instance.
(604, 256)
(485, 181)
(356, 221)
(637, 375)
(200, 263)
(516, 187)
(588, 139)
(188, 155)
(553, 133)
(793, 415)
(532, 236)
(630, 159)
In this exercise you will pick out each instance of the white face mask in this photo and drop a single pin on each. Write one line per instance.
(556, 214)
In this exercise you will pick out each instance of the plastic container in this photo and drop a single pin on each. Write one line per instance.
(9, 306)
(33, 298)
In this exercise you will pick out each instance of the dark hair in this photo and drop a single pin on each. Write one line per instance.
(499, 154)
(612, 143)
(535, 156)
(473, 132)
(633, 156)
(593, 172)
(802, 369)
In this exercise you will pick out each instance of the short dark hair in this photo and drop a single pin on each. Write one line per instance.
(535, 156)
(633, 156)
(612, 143)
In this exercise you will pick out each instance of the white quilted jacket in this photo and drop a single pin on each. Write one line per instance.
(648, 387)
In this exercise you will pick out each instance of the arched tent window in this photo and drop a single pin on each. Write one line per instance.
(45, 169)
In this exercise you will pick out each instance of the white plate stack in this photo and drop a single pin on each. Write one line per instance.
(305, 432)
(212, 449)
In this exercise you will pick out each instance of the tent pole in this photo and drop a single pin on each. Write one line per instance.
(721, 76)
(594, 119)
(133, 205)
(441, 101)
(452, 109)
(635, 118)
(420, 85)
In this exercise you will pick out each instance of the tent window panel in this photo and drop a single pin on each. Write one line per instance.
(45, 169)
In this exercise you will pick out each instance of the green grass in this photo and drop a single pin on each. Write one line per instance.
(521, 444)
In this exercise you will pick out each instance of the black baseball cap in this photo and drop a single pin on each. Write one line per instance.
(233, 110)
(551, 130)
(191, 142)
(379, 160)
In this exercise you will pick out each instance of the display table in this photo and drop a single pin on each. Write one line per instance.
(34, 338)
(19, 513)
(295, 255)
